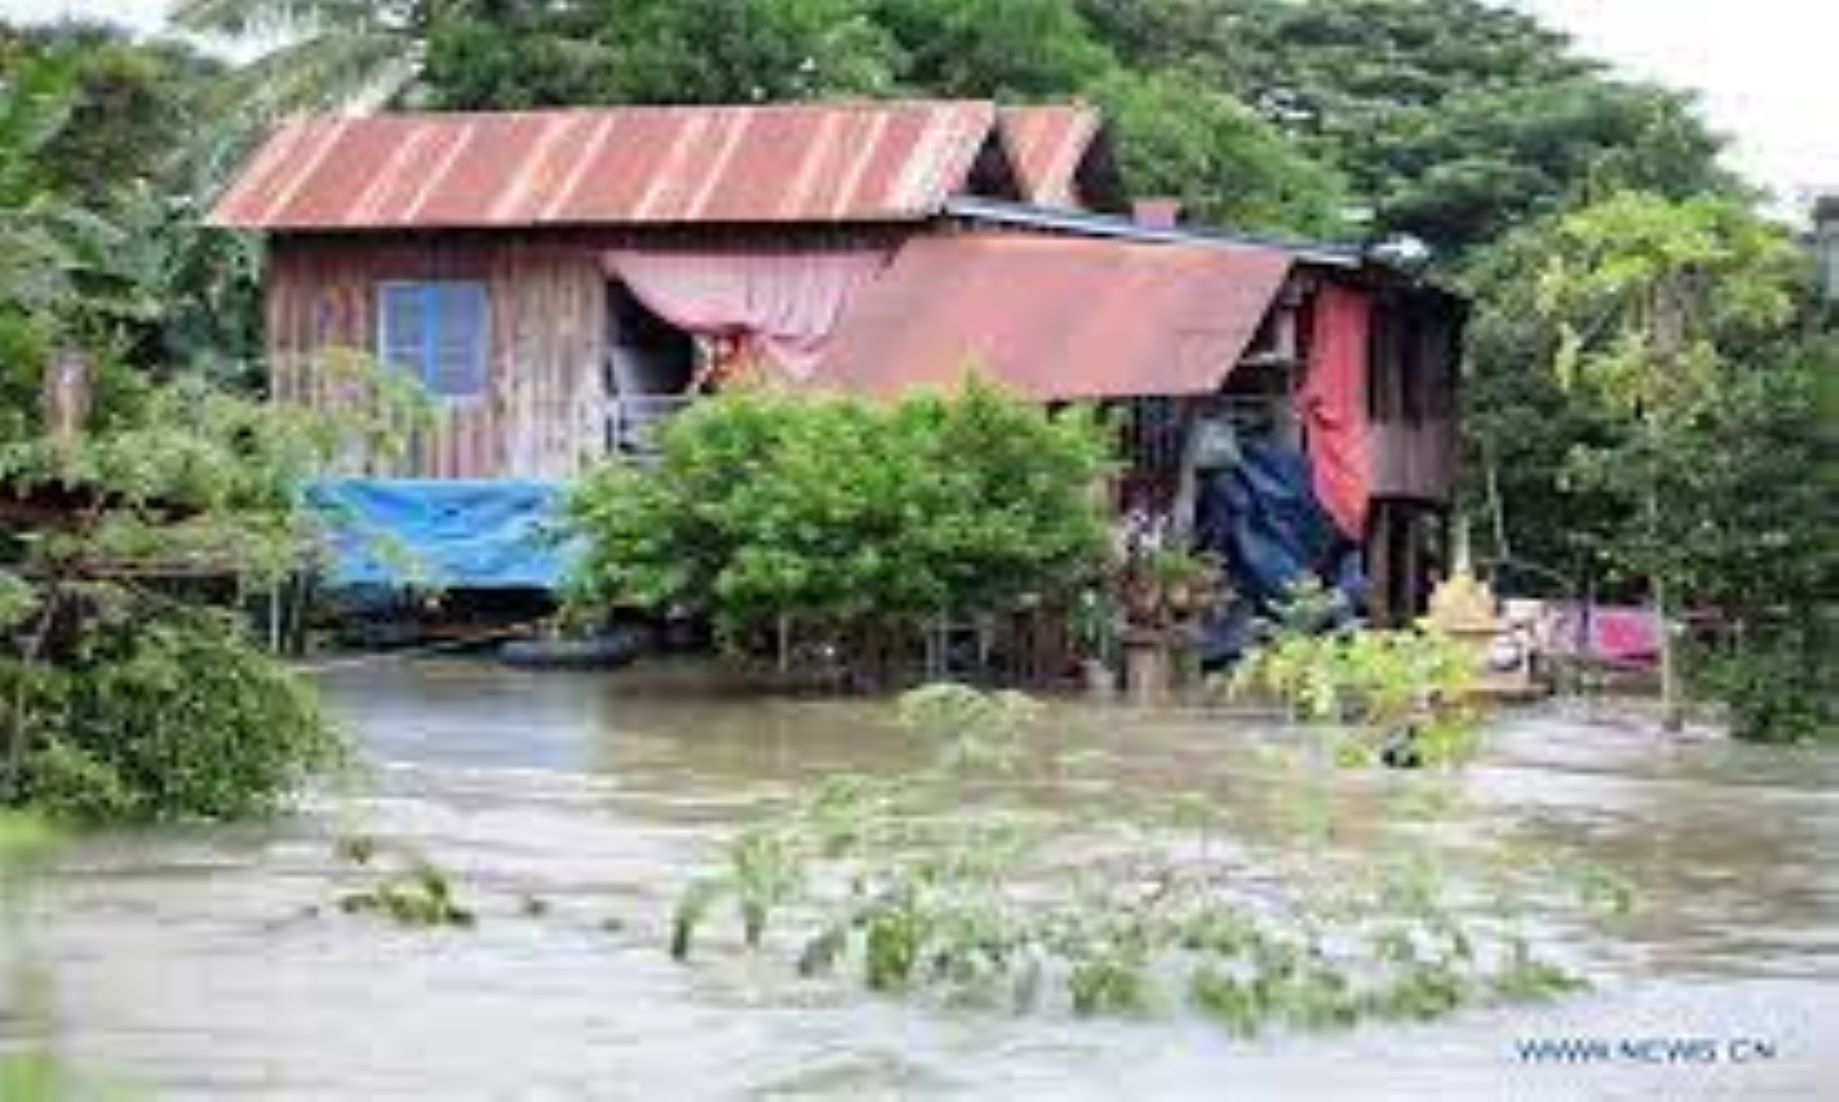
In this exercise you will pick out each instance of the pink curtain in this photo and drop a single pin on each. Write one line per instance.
(1333, 403)
(778, 306)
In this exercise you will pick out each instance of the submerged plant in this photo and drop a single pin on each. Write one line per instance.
(417, 893)
(950, 881)
(1395, 694)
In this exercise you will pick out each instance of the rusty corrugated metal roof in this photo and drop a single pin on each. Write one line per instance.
(891, 161)
(1049, 143)
(1056, 317)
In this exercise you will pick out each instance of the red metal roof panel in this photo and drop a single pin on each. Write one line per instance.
(892, 161)
(1049, 143)
(1056, 317)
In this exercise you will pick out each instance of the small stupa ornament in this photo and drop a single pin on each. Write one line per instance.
(1463, 606)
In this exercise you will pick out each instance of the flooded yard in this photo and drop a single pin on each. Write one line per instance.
(213, 964)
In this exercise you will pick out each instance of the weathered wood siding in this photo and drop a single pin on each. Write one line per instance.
(549, 336)
(540, 415)
(1412, 396)
(543, 414)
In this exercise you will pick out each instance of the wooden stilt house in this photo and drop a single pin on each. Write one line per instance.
(562, 279)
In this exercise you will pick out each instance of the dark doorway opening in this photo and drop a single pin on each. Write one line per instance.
(651, 366)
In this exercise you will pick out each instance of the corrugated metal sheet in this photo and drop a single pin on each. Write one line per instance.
(1048, 144)
(894, 161)
(1057, 318)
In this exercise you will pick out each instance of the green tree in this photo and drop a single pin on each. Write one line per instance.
(1454, 120)
(659, 51)
(535, 55)
(1179, 138)
(134, 108)
(1763, 481)
(1520, 424)
(101, 198)
(1652, 300)
(1010, 49)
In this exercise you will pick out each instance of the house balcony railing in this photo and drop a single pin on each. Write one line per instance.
(633, 420)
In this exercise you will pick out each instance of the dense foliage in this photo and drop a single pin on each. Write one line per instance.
(108, 154)
(1450, 119)
(129, 688)
(839, 517)
(1676, 325)
(165, 716)
(142, 500)
(122, 694)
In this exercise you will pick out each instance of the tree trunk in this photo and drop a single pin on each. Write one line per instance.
(1670, 319)
(1672, 707)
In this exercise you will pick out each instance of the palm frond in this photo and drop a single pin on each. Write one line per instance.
(265, 18)
(331, 71)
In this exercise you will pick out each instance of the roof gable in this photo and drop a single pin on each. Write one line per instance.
(1063, 156)
(856, 162)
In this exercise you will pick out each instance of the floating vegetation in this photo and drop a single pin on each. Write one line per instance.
(422, 896)
(950, 882)
(416, 894)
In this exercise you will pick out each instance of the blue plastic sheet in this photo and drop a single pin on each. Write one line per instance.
(1261, 516)
(392, 534)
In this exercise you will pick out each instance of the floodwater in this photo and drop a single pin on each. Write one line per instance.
(209, 963)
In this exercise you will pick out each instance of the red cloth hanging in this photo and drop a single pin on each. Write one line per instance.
(1333, 405)
(778, 306)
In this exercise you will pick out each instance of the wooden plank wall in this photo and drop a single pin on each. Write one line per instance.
(549, 326)
(1413, 397)
(540, 415)
(543, 413)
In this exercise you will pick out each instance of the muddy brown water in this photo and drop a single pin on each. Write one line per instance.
(186, 963)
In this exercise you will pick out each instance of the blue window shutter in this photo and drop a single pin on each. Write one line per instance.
(436, 332)
(406, 328)
(459, 352)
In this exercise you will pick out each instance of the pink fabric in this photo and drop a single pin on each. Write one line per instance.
(1334, 407)
(780, 306)
(1622, 635)
(1626, 634)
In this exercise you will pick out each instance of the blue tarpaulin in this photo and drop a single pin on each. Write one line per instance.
(1261, 516)
(393, 533)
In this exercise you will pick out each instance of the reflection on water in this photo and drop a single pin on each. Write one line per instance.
(193, 962)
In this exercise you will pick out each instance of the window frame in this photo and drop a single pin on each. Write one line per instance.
(426, 370)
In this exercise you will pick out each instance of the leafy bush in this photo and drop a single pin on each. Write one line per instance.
(1779, 685)
(166, 715)
(841, 516)
(1380, 684)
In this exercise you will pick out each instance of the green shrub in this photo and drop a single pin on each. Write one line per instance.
(161, 717)
(842, 516)
(1375, 683)
(1778, 685)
